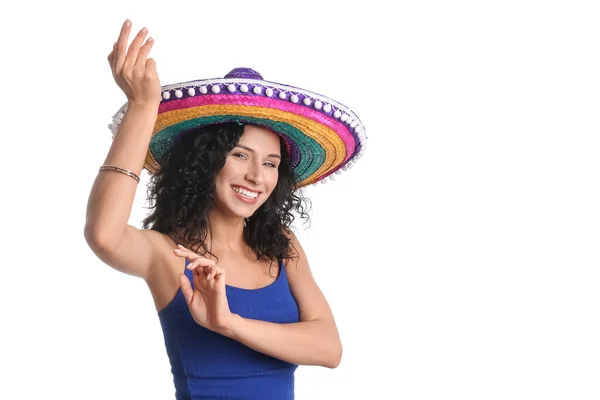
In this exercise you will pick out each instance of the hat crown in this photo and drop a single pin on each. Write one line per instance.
(245, 73)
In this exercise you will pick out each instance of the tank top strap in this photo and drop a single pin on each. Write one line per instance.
(188, 273)
(282, 270)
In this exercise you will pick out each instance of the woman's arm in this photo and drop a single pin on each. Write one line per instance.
(312, 341)
(106, 231)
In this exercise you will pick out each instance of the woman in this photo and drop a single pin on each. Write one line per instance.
(237, 303)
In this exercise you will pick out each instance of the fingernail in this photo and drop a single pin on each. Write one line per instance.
(127, 23)
(177, 249)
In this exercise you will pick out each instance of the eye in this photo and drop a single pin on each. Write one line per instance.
(239, 155)
(270, 164)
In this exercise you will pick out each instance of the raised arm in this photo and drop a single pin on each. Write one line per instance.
(107, 232)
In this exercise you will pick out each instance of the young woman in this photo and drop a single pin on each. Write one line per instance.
(232, 287)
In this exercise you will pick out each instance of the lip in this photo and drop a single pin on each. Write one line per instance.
(245, 199)
(247, 188)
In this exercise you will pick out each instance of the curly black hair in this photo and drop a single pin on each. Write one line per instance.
(182, 194)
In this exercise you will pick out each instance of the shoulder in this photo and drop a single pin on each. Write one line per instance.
(309, 297)
(296, 267)
(296, 250)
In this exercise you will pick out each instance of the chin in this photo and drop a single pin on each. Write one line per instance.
(244, 211)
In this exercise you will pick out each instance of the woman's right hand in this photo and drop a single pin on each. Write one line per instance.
(133, 72)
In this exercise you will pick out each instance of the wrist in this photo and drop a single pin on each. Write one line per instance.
(149, 106)
(231, 330)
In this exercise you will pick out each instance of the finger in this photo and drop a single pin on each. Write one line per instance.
(192, 256)
(209, 271)
(183, 252)
(151, 63)
(134, 48)
(198, 278)
(213, 271)
(186, 288)
(121, 47)
(112, 54)
(198, 263)
(219, 276)
(151, 66)
(143, 54)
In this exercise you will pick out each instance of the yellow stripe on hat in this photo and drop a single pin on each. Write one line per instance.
(335, 148)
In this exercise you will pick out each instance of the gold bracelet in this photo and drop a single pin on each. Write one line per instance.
(119, 169)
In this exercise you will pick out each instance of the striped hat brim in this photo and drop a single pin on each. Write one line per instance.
(322, 136)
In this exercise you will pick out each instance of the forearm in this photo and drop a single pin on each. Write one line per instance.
(112, 194)
(303, 343)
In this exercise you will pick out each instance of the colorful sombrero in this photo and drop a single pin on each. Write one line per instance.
(323, 136)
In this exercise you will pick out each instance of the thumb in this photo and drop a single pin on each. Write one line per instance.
(186, 288)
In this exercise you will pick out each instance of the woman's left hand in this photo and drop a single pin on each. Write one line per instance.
(207, 301)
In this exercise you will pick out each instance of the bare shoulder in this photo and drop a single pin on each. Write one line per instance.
(299, 256)
(311, 300)
(297, 267)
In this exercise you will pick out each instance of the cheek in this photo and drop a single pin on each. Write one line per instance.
(271, 181)
(228, 168)
(220, 187)
(229, 171)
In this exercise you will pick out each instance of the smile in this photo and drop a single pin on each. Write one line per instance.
(248, 194)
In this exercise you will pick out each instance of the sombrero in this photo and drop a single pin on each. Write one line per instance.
(323, 136)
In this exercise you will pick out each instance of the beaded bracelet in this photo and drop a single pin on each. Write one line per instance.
(119, 169)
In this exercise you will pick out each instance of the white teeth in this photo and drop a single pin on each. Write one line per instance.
(246, 193)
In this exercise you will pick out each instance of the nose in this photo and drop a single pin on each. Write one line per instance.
(254, 173)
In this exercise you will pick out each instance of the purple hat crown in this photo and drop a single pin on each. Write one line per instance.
(244, 73)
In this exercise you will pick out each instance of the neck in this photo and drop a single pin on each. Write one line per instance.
(225, 233)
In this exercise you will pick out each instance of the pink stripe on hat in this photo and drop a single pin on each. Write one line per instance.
(248, 100)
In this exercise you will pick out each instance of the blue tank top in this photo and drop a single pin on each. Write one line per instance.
(207, 365)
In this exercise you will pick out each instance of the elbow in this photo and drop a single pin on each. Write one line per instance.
(335, 356)
(92, 237)
(97, 240)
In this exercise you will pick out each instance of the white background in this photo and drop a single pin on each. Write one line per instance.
(460, 255)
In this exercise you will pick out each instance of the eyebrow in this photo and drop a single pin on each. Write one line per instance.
(252, 150)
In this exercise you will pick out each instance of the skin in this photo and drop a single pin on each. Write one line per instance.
(157, 259)
(253, 165)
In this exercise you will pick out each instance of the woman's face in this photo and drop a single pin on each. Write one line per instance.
(250, 173)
